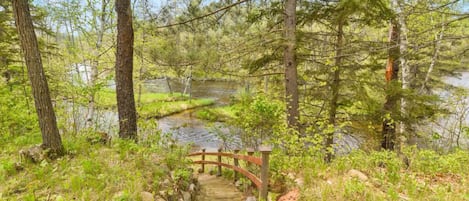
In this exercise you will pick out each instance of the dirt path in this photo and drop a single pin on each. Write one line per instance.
(215, 188)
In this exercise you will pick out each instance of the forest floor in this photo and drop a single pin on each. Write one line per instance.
(123, 170)
(382, 175)
(90, 170)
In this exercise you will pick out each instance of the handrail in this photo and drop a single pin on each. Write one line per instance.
(262, 162)
(251, 159)
(246, 173)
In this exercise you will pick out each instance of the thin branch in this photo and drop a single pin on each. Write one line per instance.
(204, 16)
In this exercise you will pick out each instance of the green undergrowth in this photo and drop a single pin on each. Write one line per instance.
(88, 171)
(414, 175)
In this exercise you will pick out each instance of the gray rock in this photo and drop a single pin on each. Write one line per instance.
(192, 187)
(146, 196)
(186, 196)
(35, 154)
(251, 198)
(238, 183)
(357, 174)
(166, 183)
(300, 181)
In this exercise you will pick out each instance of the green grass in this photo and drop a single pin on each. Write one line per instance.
(107, 98)
(223, 113)
(89, 171)
(430, 176)
(161, 109)
(155, 105)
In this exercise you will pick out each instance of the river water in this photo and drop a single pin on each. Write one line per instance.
(185, 128)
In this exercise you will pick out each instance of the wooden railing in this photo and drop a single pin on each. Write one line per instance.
(263, 162)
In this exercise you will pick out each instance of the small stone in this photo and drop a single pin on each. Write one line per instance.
(238, 183)
(299, 181)
(195, 179)
(146, 196)
(291, 176)
(192, 187)
(292, 195)
(357, 174)
(159, 199)
(186, 196)
(18, 166)
(165, 183)
(251, 198)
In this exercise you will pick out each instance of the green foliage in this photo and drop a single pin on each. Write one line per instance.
(430, 176)
(258, 117)
(91, 171)
(219, 114)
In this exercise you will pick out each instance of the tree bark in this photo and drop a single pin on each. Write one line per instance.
(124, 68)
(291, 85)
(47, 120)
(406, 79)
(392, 70)
(335, 86)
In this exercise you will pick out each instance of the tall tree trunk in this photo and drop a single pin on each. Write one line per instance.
(335, 86)
(406, 78)
(392, 70)
(47, 121)
(124, 68)
(291, 85)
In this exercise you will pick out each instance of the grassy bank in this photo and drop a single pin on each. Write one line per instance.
(107, 98)
(155, 105)
(121, 171)
(161, 109)
(223, 113)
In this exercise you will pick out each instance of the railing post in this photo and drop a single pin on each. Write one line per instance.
(219, 161)
(236, 164)
(249, 167)
(250, 153)
(203, 159)
(265, 151)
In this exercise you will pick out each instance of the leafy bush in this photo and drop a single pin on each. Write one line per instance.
(258, 117)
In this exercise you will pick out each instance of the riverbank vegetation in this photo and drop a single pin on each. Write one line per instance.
(155, 105)
(360, 100)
